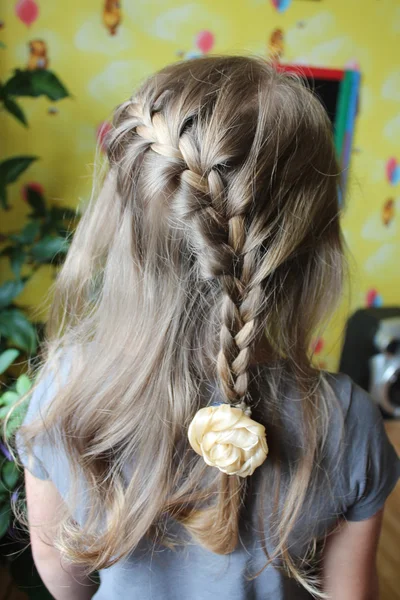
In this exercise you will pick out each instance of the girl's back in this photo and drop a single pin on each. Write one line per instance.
(354, 488)
(198, 452)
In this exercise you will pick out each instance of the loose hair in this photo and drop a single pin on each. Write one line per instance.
(216, 232)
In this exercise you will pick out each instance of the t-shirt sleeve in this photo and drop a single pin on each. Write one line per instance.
(38, 456)
(373, 464)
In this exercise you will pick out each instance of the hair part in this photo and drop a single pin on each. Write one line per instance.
(216, 230)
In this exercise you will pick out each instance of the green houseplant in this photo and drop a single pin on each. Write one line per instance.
(43, 239)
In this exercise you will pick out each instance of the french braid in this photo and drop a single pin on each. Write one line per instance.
(220, 248)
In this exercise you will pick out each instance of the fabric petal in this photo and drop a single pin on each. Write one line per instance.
(210, 438)
(225, 417)
(241, 438)
(225, 455)
(198, 426)
(232, 469)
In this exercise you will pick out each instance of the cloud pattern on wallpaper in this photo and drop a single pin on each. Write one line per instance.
(386, 253)
(118, 80)
(312, 32)
(180, 24)
(317, 42)
(92, 37)
(117, 43)
(391, 87)
(392, 129)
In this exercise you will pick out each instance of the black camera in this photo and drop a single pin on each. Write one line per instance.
(371, 355)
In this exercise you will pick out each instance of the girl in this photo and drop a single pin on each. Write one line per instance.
(178, 439)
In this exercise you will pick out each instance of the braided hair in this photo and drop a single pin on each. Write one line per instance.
(217, 230)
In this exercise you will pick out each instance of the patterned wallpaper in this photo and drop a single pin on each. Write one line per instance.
(101, 49)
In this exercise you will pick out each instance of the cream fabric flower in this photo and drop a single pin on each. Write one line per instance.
(228, 439)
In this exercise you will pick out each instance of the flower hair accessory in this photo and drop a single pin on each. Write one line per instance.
(227, 438)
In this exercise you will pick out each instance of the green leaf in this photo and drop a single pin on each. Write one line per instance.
(46, 249)
(7, 358)
(5, 519)
(3, 197)
(9, 398)
(10, 290)
(18, 412)
(23, 384)
(15, 422)
(15, 110)
(20, 84)
(12, 168)
(10, 474)
(28, 234)
(60, 213)
(47, 83)
(21, 333)
(40, 82)
(37, 202)
(17, 259)
(4, 412)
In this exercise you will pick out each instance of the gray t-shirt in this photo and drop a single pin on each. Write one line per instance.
(355, 490)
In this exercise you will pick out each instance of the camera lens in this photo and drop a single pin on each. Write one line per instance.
(394, 389)
(393, 347)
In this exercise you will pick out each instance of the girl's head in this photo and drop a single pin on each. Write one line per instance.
(227, 172)
(216, 233)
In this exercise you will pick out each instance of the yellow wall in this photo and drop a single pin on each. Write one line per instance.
(101, 69)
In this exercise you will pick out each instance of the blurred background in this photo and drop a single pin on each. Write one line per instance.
(64, 66)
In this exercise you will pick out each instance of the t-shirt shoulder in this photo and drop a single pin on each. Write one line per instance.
(371, 465)
(38, 457)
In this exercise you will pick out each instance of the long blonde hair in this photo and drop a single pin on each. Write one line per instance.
(217, 222)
